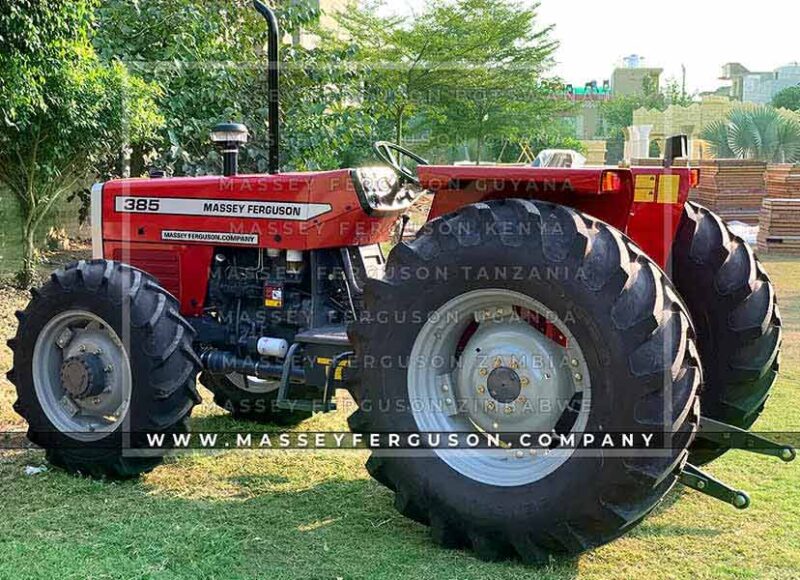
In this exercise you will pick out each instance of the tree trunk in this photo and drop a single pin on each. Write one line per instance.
(398, 128)
(26, 275)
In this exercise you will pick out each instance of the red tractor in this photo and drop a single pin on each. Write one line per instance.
(534, 301)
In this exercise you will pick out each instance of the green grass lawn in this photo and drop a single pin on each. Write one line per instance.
(289, 515)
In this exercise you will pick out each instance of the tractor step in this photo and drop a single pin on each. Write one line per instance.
(693, 477)
(736, 438)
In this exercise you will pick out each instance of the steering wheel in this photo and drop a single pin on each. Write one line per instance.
(391, 153)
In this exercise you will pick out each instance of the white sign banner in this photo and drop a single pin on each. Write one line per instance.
(222, 208)
(210, 237)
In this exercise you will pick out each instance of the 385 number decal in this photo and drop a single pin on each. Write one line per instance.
(142, 204)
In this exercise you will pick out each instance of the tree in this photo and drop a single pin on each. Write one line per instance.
(64, 112)
(788, 98)
(209, 60)
(760, 133)
(461, 72)
(497, 91)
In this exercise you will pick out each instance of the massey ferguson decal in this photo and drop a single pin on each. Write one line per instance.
(214, 207)
(210, 237)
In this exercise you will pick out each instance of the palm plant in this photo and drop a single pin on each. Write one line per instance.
(759, 133)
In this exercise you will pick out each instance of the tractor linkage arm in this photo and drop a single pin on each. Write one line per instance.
(732, 438)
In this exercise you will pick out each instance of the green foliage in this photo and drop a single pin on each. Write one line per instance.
(65, 113)
(209, 59)
(787, 99)
(460, 73)
(760, 133)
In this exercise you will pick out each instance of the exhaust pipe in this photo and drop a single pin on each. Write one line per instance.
(273, 98)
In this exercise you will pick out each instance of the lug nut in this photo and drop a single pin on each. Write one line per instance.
(578, 376)
(574, 362)
(495, 426)
(445, 388)
(490, 406)
(481, 389)
(498, 362)
(483, 372)
(508, 410)
(82, 348)
(519, 454)
(525, 381)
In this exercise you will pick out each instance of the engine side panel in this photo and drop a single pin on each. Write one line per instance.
(169, 227)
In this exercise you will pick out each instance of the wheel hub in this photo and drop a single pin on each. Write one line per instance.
(507, 377)
(504, 385)
(83, 376)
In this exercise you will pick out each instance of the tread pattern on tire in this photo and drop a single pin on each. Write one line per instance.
(646, 306)
(164, 375)
(734, 307)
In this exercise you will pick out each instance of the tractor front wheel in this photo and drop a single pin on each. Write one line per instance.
(101, 351)
(524, 317)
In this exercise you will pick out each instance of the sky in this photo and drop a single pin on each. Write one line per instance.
(701, 34)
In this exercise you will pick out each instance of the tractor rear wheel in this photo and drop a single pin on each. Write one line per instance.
(733, 304)
(534, 318)
(101, 350)
(250, 399)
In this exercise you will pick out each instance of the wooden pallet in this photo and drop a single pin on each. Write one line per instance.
(733, 188)
(783, 180)
(779, 226)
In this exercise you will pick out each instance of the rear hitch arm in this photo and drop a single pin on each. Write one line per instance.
(735, 438)
(693, 477)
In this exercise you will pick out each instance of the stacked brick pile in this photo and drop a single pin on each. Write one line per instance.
(733, 188)
(779, 226)
(783, 180)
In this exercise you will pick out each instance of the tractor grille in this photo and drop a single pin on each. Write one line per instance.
(161, 264)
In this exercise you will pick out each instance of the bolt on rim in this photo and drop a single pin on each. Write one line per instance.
(82, 375)
(497, 361)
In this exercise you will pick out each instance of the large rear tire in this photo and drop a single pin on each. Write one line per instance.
(101, 349)
(615, 310)
(734, 308)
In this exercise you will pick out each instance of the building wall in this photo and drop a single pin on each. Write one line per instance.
(630, 81)
(690, 121)
(761, 88)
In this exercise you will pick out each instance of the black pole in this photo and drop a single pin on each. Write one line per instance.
(273, 98)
